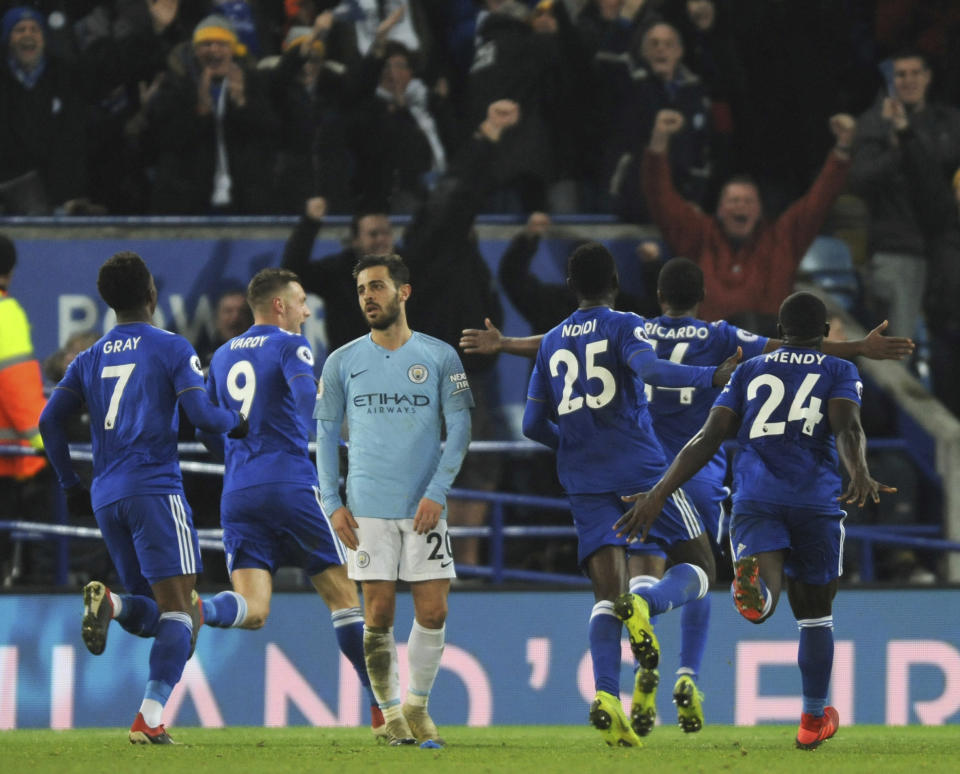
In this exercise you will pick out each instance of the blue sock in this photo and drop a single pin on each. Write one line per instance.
(680, 584)
(348, 626)
(169, 653)
(139, 615)
(640, 583)
(694, 621)
(605, 630)
(815, 657)
(225, 611)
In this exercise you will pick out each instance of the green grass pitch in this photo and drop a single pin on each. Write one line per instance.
(537, 749)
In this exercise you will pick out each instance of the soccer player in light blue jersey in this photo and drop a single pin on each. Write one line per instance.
(131, 381)
(270, 508)
(586, 400)
(792, 410)
(396, 388)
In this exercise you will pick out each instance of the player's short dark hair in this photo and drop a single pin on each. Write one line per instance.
(124, 282)
(266, 283)
(8, 255)
(681, 283)
(398, 270)
(591, 270)
(803, 316)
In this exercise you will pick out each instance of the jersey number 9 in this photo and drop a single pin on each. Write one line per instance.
(242, 392)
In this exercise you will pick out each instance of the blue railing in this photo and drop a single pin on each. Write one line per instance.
(497, 532)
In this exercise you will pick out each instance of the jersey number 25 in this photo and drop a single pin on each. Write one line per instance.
(568, 401)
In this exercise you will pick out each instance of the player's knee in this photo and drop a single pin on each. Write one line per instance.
(432, 616)
(256, 617)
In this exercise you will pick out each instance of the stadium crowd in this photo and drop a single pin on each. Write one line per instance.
(740, 130)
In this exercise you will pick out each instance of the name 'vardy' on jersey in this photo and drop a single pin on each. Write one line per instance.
(788, 453)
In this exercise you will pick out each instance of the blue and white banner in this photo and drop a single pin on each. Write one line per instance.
(510, 659)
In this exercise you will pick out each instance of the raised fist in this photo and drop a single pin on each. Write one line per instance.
(843, 127)
(668, 122)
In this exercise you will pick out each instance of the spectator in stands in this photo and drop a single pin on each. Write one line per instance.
(24, 486)
(212, 128)
(312, 93)
(659, 81)
(901, 139)
(400, 133)
(232, 317)
(512, 61)
(123, 49)
(747, 262)
(41, 134)
(55, 365)
(407, 22)
(544, 304)
(710, 50)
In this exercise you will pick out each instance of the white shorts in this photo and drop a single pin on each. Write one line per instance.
(389, 548)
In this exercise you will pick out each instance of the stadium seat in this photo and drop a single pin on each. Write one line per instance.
(829, 264)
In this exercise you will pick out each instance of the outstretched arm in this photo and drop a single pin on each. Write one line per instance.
(852, 447)
(722, 423)
(491, 342)
(874, 346)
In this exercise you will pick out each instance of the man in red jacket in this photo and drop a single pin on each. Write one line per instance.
(748, 263)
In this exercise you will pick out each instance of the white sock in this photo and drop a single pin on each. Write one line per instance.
(152, 712)
(117, 602)
(380, 654)
(638, 582)
(424, 649)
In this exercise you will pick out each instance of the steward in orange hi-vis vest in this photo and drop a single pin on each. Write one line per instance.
(21, 387)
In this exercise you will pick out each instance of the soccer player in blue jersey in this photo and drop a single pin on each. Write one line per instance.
(792, 410)
(679, 336)
(586, 400)
(677, 413)
(270, 509)
(131, 381)
(396, 388)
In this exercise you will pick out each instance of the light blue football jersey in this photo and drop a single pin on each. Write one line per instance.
(679, 412)
(130, 380)
(582, 371)
(394, 402)
(252, 373)
(788, 454)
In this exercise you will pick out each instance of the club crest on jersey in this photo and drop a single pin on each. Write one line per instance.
(195, 365)
(363, 559)
(305, 355)
(417, 373)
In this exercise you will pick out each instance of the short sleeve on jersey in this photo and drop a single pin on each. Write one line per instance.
(731, 396)
(185, 370)
(330, 391)
(847, 382)
(296, 358)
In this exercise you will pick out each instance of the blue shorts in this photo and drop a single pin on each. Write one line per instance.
(708, 494)
(278, 525)
(150, 538)
(595, 515)
(814, 540)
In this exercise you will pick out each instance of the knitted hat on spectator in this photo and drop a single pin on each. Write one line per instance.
(16, 15)
(216, 27)
(297, 35)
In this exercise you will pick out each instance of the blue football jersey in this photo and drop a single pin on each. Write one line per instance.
(252, 373)
(394, 402)
(131, 380)
(583, 373)
(679, 412)
(788, 454)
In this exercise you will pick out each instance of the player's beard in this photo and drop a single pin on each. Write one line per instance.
(388, 315)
